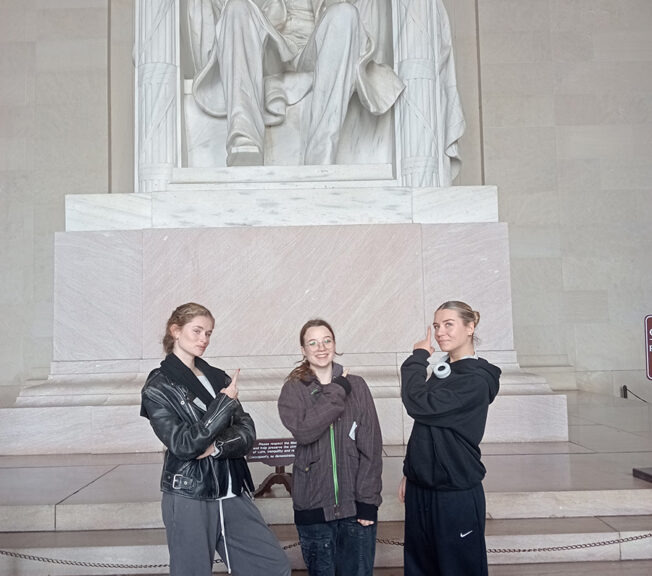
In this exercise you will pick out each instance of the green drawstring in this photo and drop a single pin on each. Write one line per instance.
(334, 458)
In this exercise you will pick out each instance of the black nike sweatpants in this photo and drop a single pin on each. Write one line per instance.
(444, 532)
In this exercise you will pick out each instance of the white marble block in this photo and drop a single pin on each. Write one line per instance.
(377, 284)
(281, 196)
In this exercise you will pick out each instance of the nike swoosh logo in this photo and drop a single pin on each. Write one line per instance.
(465, 534)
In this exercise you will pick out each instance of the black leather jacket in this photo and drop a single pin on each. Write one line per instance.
(188, 420)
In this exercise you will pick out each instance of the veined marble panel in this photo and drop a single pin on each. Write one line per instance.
(478, 274)
(97, 296)
(262, 285)
(265, 415)
(391, 424)
(274, 278)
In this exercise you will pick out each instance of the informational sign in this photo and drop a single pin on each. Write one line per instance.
(273, 451)
(648, 345)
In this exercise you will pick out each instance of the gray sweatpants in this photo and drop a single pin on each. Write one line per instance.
(235, 527)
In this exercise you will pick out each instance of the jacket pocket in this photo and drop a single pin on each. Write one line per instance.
(348, 470)
(307, 484)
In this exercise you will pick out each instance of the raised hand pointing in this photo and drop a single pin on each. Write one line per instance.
(426, 343)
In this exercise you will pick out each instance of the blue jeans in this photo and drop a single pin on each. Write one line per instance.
(338, 548)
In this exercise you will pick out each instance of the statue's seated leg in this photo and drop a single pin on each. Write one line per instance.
(241, 34)
(332, 53)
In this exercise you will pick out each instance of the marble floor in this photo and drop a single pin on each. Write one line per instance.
(608, 437)
(636, 568)
(639, 568)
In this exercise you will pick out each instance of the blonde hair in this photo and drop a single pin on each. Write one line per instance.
(180, 317)
(464, 311)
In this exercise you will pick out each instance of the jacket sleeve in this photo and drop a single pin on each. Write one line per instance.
(370, 449)
(434, 405)
(308, 411)
(238, 439)
(184, 440)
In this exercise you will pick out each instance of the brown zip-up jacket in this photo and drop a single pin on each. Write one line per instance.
(335, 474)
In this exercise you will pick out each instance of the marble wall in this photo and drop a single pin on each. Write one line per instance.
(567, 134)
(376, 284)
(564, 129)
(54, 134)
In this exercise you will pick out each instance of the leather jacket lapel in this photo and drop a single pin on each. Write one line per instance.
(179, 373)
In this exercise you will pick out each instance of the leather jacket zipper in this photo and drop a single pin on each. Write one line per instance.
(217, 411)
(183, 400)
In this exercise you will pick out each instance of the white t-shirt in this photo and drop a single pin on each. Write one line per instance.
(209, 388)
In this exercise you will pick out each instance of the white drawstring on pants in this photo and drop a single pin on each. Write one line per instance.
(226, 549)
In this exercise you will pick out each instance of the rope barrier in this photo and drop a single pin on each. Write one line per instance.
(295, 544)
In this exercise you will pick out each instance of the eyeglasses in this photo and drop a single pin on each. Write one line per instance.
(326, 343)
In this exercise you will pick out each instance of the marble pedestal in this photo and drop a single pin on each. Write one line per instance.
(264, 261)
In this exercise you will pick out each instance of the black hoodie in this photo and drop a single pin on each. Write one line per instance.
(450, 414)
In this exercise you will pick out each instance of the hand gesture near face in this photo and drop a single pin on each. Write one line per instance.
(426, 343)
(232, 389)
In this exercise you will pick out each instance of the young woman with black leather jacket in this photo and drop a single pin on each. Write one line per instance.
(194, 410)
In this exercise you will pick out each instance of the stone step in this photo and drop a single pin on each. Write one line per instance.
(524, 541)
(104, 409)
(109, 420)
(99, 508)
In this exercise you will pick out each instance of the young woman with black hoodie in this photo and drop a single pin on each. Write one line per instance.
(442, 483)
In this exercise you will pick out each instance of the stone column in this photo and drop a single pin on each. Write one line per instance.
(157, 92)
(429, 115)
